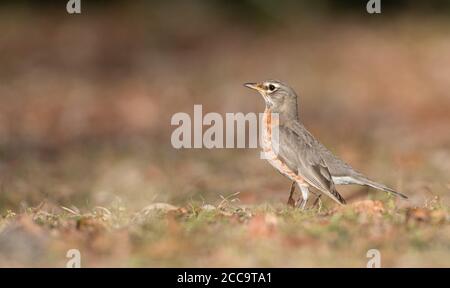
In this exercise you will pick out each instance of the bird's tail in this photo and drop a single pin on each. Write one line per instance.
(361, 180)
(379, 186)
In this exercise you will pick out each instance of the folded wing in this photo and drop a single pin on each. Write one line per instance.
(296, 150)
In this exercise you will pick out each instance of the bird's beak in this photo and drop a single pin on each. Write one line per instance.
(256, 86)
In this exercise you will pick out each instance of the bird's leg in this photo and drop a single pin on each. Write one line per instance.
(305, 193)
(291, 201)
(318, 201)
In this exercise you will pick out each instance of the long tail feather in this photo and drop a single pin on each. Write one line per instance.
(361, 180)
(383, 187)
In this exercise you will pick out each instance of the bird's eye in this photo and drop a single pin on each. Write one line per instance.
(271, 87)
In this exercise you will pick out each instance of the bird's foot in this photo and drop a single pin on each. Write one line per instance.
(318, 203)
(302, 204)
(291, 202)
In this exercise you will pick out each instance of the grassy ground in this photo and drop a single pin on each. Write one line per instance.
(128, 205)
(229, 234)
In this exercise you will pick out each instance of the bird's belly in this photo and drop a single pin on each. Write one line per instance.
(283, 169)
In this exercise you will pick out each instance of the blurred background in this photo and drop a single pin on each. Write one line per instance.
(86, 100)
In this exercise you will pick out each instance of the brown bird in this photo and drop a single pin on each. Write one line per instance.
(295, 152)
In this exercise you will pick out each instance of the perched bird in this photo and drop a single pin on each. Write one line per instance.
(298, 155)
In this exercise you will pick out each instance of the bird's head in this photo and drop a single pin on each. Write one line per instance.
(278, 96)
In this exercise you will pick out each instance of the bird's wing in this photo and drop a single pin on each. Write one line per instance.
(340, 170)
(298, 151)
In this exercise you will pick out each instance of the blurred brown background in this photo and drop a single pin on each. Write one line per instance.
(86, 100)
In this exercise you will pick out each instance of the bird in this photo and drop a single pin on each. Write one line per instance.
(297, 154)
